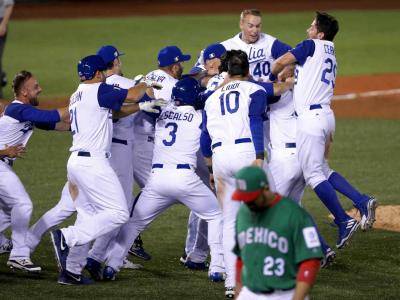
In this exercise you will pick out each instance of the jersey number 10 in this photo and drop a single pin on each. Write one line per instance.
(226, 102)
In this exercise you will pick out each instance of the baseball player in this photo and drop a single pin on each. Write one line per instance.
(99, 198)
(315, 80)
(16, 127)
(196, 246)
(233, 136)
(170, 68)
(174, 161)
(277, 246)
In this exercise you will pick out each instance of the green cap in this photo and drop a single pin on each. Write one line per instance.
(250, 182)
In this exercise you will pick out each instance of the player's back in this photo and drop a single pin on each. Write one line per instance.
(227, 111)
(91, 125)
(315, 78)
(177, 136)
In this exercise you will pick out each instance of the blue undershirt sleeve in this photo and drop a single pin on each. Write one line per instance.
(278, 49)
(303, 50)
(205, 139)
(25, 112)
(257, 108)
(110, 96)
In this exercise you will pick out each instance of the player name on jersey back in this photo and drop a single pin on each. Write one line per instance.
(177, 116)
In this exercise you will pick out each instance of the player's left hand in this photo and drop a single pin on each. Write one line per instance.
(14, 151)
(153, 106)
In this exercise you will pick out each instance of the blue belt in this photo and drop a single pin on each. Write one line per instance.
(237, 141)
(7, 161)
(315, 106)
(87, 154)
(178, 166)
(290, 145)
(118, 141)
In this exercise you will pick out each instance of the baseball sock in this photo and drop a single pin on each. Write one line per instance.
(327, 195)
(340, 184)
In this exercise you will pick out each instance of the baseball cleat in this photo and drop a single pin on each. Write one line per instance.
(127, 264)
(230, 292)
(346, 231)
(328, 259)
(203, 266)
(183, 259)
(138, 250)
(367, 210)
(61, 248)
(6, 247)
(94, 268)
(68, 278)
(24, 264)
(217, 276)
(109, 273)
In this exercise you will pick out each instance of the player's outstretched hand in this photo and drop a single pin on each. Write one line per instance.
(153, 106)
(14, 151)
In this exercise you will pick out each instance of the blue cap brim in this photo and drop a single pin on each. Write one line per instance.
(184, 57)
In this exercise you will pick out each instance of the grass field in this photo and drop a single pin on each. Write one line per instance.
(365, 151)
(52, 48)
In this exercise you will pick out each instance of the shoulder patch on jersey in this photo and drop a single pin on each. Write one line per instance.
(311, 237)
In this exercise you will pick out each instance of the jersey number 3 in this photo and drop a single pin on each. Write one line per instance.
(172, 133)
(274, 266)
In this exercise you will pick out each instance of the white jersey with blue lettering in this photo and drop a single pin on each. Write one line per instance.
(14, 132)
(259, 54)
(91, 125)
(315, 78)
(177, 137)
(225, 121)
(123, 128)
(215, 81)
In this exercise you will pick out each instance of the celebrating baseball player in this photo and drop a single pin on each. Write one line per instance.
(99, 197)
(233, 135)
(16, 127)
(315, 80)
(177, 138)
(277, 245)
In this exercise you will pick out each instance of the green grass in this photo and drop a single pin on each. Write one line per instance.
(51, 48)
(365, 151)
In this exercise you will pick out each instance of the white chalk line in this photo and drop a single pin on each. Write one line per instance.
(352, 96)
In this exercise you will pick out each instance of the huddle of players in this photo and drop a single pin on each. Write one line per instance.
(232, 137)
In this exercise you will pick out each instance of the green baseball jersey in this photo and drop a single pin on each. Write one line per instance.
(273, 242)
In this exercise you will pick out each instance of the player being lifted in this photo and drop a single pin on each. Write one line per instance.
(315, 80)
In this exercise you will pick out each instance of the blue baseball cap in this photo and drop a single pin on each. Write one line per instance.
(213, 51)
(171, 55)
(108, 53)
(89, 65)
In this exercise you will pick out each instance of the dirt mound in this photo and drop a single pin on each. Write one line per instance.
(387, 217)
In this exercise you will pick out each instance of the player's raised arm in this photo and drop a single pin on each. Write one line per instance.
(281, 63)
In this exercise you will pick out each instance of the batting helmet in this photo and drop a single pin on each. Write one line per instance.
(89, 65)
(186, 91)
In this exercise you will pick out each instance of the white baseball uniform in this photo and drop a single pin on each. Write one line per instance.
(315, 121)
(174, 161)
(231, 113)
(104, 206)
(284, 172)
(16, 127)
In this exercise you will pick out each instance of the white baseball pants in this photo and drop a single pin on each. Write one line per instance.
(15, 203)
(103, 206)
(227, 160)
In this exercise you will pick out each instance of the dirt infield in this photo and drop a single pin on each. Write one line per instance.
(377, 106)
